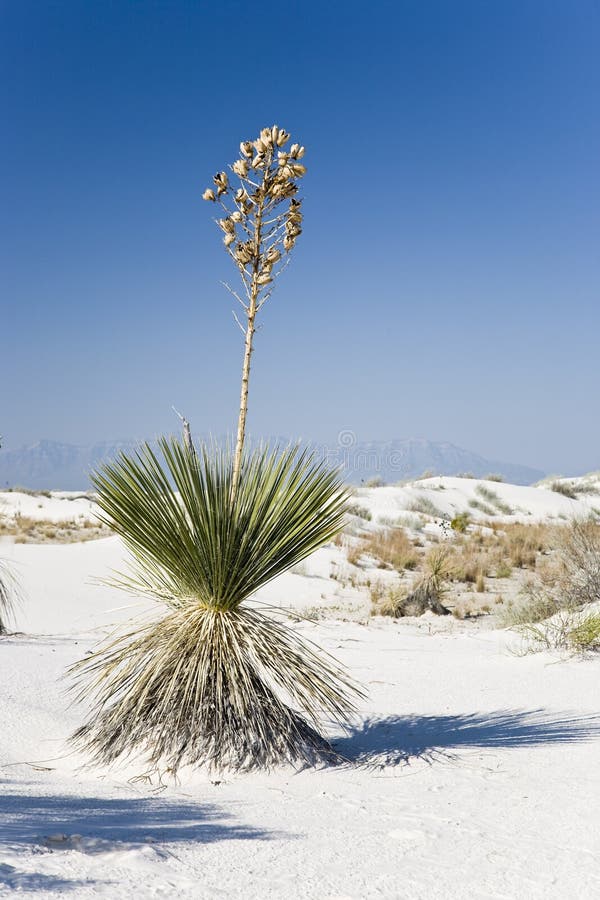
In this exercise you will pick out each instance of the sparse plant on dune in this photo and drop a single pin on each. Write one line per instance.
(217, 681)
(8, 596)
(213, 681)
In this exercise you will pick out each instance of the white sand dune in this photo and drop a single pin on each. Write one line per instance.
(472, 773)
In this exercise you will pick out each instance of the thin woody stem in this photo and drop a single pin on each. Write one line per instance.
(250, 329)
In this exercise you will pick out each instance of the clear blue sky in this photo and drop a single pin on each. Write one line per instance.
(445, 285)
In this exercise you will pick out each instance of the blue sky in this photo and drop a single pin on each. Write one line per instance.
(445, 285)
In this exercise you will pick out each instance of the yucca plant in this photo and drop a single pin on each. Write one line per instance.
(218, 680)
(9, 595)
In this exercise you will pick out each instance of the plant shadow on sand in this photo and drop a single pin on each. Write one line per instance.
(398, 740)
(42, 825)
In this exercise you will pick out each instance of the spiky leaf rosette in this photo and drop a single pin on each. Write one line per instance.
(216, 681)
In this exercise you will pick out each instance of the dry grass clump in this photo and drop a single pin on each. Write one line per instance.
(422, 504)
(492, 498)
(573, 631)
(564, 488)
(361, 512)
(389, 547)
(556, 609)
(426, 593)
(485, 508)
(522, 543)
(27, 530)
(31, 492)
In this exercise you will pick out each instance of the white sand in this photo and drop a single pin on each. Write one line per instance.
(479, 775)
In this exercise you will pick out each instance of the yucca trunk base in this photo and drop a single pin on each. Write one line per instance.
(191, 690)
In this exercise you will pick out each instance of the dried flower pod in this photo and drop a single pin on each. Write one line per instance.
(266, 137)
(273, 255)
(274, 133)
(300, 152)
(298, 170)
(220, 179)
(244, 252)
(294, 150)
(228, 239)
(260, 146)
(236, 216)
(240, 167)
(227, 225)
(264, 278)
(246, 149)
(209, 194)
(288, 242)
(258, 161)
(241, 195)
(283, 157)
(282, 138)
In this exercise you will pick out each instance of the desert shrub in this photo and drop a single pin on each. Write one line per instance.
(566, 591)
(391, 547)
(579, 552)
(361, 512)
(415, 523)
(460, 522)
(374, 482)
(422, 504)
(31, 492)
(429, 589)
(584, 633)
(493, 499)
(494, 477)
(575, 632)
(503, 569)
(26, 530)
(354, 553)
(522, 543)
(482, 507)
(214, 681)
(480, 581)
(467, 560)
(564, 488)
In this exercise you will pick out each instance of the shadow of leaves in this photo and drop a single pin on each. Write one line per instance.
(397, 740)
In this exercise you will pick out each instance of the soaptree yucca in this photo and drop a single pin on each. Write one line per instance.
(8, 596)
(218, 680)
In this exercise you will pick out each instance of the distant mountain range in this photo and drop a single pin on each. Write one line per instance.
(56, 466)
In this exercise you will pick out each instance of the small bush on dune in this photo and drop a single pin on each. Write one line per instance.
(559, 610)
(460, 522)
(391, 547)
(575, 632)
(564, 488)
(425, 595)
(422, 504)
(361, 512)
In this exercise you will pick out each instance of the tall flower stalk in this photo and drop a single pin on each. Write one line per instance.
(216, 680)
(262, 222)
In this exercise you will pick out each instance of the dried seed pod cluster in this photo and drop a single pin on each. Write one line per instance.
(263, 217)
